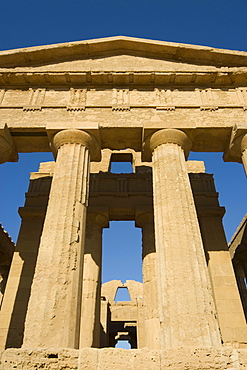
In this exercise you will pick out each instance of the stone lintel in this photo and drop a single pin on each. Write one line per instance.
(211, 211)
(32, 212)
(46, 169)
(195, 166)
(113, 134)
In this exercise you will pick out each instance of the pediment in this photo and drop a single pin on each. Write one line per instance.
(120, 53)
(120, 63)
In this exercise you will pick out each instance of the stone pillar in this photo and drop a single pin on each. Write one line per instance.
(8, 153)
(186, 307)
(91, 292)
(227, 300)
(53, 317)
(150, 297)
(14, 307)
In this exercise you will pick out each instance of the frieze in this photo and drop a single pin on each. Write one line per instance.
(206, 99)
(74, 99)
(77, 99)
(120, 99)
(242, 96)
(165, 99)
(36, 99)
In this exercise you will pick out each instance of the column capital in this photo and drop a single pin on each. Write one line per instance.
(144, 216)
(237, 145)
(8, 151)
(166, 136)
(74, 136)
(98, 217)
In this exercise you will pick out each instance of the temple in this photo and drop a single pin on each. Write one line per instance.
(150, 103)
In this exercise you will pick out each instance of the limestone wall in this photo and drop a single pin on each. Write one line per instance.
(121, 359)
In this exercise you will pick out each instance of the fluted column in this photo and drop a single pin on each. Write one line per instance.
(226, 294)
(90, 312)
(53, 316)
(150, 296)
(186, 307)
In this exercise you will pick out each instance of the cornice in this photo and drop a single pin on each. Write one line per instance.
(229, 78)
(121, 45)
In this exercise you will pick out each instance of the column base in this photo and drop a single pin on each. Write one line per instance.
(114, 359)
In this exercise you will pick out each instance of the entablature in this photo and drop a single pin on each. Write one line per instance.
(218, 78)
(123, 98)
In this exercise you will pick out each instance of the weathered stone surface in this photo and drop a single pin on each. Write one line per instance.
(191, 319)
(112, 359)
(91, 292)
(55, 308)
(135, 101)
(66, 359)
(151, 335)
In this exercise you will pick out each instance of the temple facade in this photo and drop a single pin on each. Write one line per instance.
(149, 103)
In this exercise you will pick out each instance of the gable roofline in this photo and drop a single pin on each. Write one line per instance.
(55, 53)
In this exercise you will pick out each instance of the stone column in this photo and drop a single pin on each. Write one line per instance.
(230, 312)
(8, 153)
(91, 292)
(150, 296)
(186, 307)
(53, 317)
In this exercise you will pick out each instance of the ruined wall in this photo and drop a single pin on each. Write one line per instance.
(120, 359)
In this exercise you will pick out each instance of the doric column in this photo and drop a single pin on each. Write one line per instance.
(91, 291)
(186, 307)
(53, 316)
(150, 296)
(226, 295)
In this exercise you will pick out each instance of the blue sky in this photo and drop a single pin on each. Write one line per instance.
(216, 23)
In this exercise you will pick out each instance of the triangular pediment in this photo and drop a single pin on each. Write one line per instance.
(121, 53)
(119, 63)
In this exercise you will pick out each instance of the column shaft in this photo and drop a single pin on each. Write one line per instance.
(53, 317)
(150, 296)
(90, 313)
(186, 307)
(227, 300)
